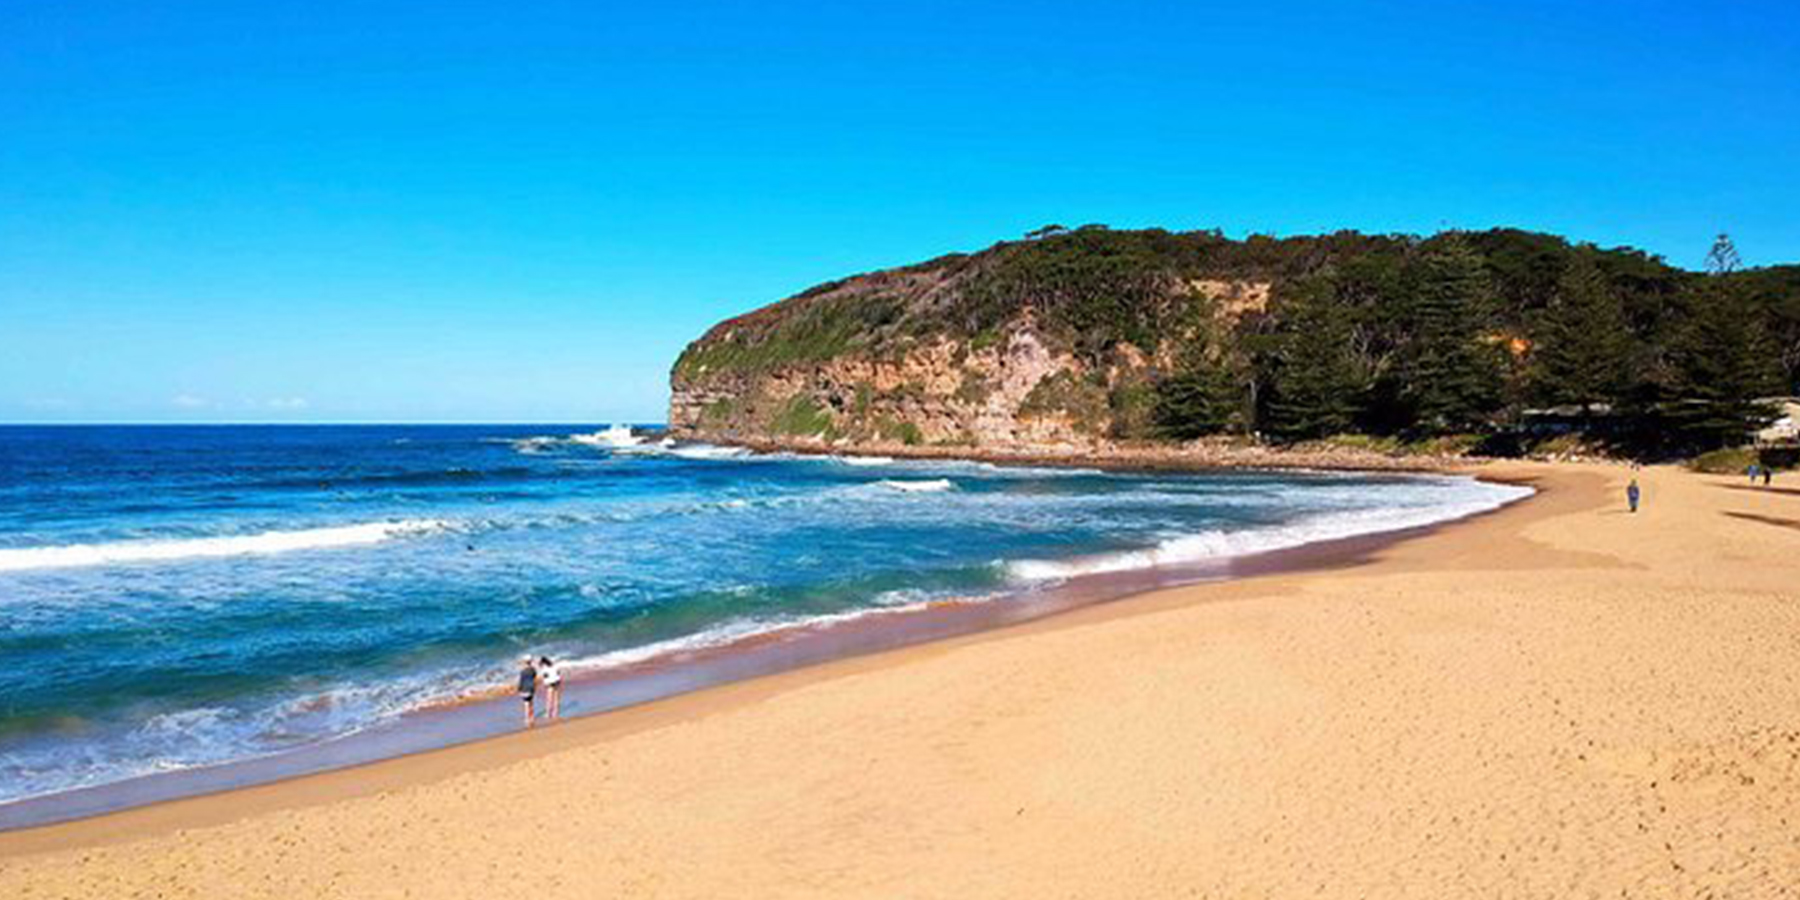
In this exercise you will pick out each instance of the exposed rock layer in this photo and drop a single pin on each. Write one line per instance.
(959, 352)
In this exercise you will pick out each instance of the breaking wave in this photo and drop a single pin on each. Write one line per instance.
(1221, 544)
(612, 436)
(936, 485)
(864, 460)
(23, 558)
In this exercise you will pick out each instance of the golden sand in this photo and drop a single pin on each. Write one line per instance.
(1556, 700)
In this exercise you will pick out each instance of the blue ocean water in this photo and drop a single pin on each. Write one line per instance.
(179, 596)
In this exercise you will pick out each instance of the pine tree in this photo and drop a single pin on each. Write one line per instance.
(1453, 378)
(1317, 385)
(1198, 402)
(1204, 398)
(1724, 362)
(1583, 350)
(1723, 258)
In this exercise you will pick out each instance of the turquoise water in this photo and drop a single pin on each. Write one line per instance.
(179, 596)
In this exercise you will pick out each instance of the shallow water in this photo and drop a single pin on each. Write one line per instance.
(179, 596)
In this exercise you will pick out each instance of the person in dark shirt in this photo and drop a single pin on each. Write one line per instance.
(1632, 493)
(528, 689)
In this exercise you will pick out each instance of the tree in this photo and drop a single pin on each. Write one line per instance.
(1452, 376)
(1204, 398)
(1583, 350)
(1316, 384)
(1722, 259)
(1723, 363)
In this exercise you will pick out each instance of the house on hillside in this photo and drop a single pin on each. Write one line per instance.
(1785, 430)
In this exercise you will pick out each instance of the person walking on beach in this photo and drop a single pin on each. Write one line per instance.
(528, 689)
(552, 676)
(1768, 475)
(1632, 493)
(1751, 471)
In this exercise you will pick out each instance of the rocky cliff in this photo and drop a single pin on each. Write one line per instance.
(1092, 340)
(988, 351)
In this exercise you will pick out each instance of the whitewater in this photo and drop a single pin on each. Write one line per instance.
(205, 595)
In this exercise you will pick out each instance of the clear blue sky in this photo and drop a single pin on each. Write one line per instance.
(522, 211)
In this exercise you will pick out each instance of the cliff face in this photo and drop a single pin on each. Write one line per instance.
(988, 351)
(939, 391)
(1085, 341)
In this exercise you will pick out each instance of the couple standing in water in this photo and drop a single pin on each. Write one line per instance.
(531, 673)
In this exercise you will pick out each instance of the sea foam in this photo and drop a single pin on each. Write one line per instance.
(936, 485)
(863, 460)
(614, 436)
(737, 631)
(707, 451)
(14, 559)
(1223, 544)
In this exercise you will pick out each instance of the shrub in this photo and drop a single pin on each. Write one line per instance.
(719, 411)
(1365, 442)
(974, 389)
(1726, 461)
(801, 416)
(1086, 403)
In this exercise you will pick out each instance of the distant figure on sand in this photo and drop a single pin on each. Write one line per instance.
(1751, 470)
(1768, 474)
(552, 676)
(1632, 493)
(528, 689)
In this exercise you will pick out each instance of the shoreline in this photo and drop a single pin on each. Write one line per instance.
(1197, 456)
(1558, 698)
(664, 676)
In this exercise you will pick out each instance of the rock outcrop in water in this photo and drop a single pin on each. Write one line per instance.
(1089, 341)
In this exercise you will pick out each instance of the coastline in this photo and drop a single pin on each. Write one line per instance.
(1550, 699)
(224, 792)
(1195, 456)
(676, 671)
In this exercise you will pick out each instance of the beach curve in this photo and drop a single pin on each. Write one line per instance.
(1537, 700)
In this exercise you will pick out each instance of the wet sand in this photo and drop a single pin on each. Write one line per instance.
(682, 670)
(1555, 699)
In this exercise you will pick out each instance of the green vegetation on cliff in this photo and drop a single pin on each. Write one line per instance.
(1178, 335)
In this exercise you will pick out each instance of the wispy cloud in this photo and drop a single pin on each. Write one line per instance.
(288, 404)
(189, 401)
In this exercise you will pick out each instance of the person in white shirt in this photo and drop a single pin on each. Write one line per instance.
(552, 678)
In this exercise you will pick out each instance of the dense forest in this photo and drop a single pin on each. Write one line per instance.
(1484, 335)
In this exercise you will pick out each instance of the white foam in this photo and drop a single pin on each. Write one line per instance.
(708, 451)
(210, 735)
(613, 436)
(864, 460)
(980, 468)
(1216, 544)
(936, 485)
(23, 558)
(738, 630)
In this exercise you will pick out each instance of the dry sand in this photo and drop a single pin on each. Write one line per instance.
(1557, 700)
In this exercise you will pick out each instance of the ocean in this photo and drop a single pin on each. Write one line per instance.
(175, 597)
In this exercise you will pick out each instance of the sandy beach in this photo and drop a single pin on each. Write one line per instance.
(1558, 699)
